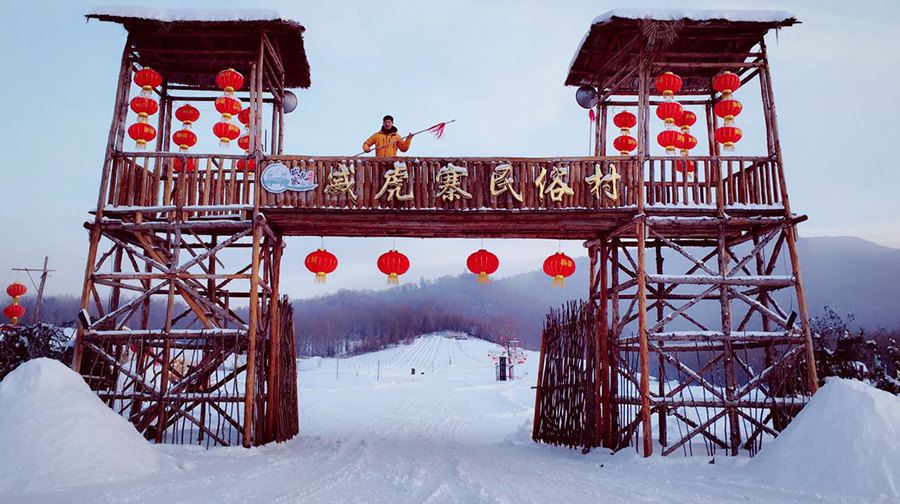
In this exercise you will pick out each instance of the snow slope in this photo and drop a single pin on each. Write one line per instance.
(373, 432)
(847, 439)
(55, 433)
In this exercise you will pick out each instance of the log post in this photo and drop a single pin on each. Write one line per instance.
(641, 236)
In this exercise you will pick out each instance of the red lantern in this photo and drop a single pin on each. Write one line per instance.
(187, 166)
(141, 133)
(625, 144)
(244, 117)
(686, 142)
(393, 264)
(187, 114)
(686, 166)
(625, 120)
(668, 84)
(14, 312)
(144, 107)
(244, 142)
(321, 262)
(184, 139)
(686, 120)
(16, 289)
(228, 107)
(728, 110)
(669, 140)
(483, 264)
(726, 83)
(728, 136)
(559, 266)
(246, 164)
(669, 111)
(229, 80)
(148, 79)
(226, 132)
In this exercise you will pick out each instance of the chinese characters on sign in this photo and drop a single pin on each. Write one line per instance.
(451, 183)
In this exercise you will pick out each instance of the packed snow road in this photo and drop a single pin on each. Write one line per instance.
(372, 431)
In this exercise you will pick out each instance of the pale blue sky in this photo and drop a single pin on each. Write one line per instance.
(497, 67)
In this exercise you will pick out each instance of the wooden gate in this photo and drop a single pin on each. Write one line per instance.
(566, 402)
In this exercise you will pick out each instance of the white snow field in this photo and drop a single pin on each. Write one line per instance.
(370, 431)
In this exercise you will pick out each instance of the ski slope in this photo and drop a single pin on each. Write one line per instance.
(371, 431)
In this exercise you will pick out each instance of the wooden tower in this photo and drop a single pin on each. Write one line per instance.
(210, 371)
(711, 241)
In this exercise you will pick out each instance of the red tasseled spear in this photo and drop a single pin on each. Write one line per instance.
(437, 130)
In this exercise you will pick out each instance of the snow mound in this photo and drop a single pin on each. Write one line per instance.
(845, 441)
(56, 433)
(184, 15)
(739, 15)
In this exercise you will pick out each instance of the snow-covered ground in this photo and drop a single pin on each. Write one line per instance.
(371, 431)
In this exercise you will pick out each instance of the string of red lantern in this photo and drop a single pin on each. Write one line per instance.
(393, 264)
(229, 81)
(321, 262)
(244, 118)
(185, 138)
(687, 141)
(669, 111)
(625, 143)
(559, 266)
(144, 106)
(483, 264)
(15, 311)
(727, 109)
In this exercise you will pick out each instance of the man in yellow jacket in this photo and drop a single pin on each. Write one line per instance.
(387, 141)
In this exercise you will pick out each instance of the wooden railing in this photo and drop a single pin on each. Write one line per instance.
(156, 180)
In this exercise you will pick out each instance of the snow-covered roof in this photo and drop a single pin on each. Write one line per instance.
(184, 15)
(736, 15)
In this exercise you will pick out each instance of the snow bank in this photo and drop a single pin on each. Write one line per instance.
(172, 15)
(845, 441)
(56, 433)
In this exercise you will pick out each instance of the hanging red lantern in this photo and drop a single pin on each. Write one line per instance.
(728, 136)
(625, 144)
(187, 114)
(246, 164)
(144, 107)
(726, 83)
(321, 262)
(244, 142)
(624, 120)
(16, 290)
(14, 312)
(668, 84)
(228, 107)
(669, 140)
(230, 80)
(184, 139)
(148, 79)
(686, 120)
(728, 110)
(669, 111)
(244, 117)
(226, 132)
(141, 133)
(559, 266)
(686, 142)
(483, 264)
(393, 264)
(685, 166)
(187, 166)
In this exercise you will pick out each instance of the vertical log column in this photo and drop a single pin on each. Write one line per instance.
(789, 227)
(113, 144)
(641, 235)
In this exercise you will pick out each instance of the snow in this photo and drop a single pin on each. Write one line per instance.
(739, 15)
(171, 15)
(55, 434)
(846, 441)
(371, 431)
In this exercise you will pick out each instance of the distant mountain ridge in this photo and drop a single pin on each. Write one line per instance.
(850, 275)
